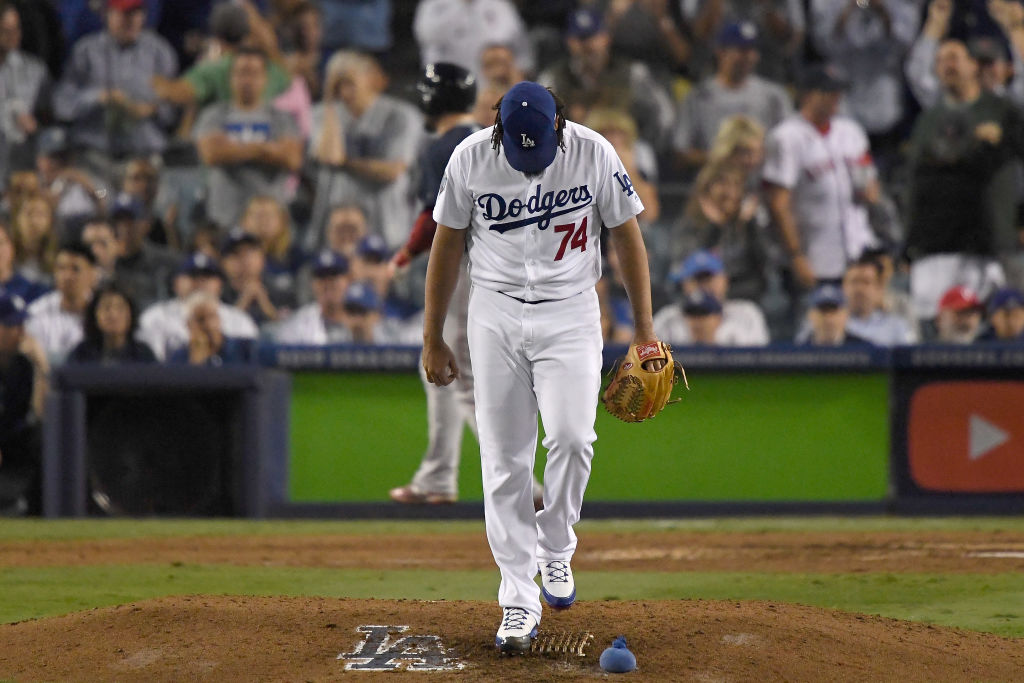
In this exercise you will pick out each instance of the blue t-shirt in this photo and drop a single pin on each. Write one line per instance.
(28, 290)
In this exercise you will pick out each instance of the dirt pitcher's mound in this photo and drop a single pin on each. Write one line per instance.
(300, 639)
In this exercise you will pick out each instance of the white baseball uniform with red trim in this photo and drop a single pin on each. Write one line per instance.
(534, 333)
(822, 169)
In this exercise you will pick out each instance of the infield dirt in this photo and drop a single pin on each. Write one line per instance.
(230, 639)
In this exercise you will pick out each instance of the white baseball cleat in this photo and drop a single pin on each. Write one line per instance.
(517, 631)
(556, 583)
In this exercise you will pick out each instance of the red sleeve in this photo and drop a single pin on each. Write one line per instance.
(422, 235)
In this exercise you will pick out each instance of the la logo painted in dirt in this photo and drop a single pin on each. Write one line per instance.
(377, 652)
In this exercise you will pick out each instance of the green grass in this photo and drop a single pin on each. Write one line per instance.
(66, 529)
(984, 603)
(980, 602)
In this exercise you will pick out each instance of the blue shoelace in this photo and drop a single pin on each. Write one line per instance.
(557, 571)
(515, 618)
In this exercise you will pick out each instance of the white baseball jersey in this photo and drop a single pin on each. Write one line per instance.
(536, 238)
(56, 330)
(163, 326)
(819, 168)
(743, 324)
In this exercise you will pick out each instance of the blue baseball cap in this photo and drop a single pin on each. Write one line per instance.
(236, 237)
(528, 121)
(1005, 298)
(373, 246)
(700, 302)
(329, 263)
(12, 310)
(828, 296)
(584, 22)
(698, 263)
(741, 34)
(362, 296)
(126, 205)
(200, 264)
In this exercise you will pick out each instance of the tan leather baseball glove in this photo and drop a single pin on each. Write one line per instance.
(636, 394)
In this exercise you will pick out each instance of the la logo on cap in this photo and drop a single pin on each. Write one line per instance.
(528, 141)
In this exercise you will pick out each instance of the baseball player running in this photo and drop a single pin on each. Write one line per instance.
(527, 198)
(447, 94)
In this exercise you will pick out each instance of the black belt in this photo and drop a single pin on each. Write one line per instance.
(524, 301)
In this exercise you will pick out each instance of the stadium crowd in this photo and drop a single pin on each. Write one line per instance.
(183, 180)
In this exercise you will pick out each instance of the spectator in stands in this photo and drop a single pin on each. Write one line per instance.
(323, 321)
(647, 32)
(780, 25)
(250, 288)
(25, 83)
(11, 281)
(111, 321)
(961, 198)
(268, 220)
(868, 319)
(1005, 317)
(365, 142)
(346, 228)
(703, 315)
(637, 156)
(364, 25)
(20, 446)
(591, 77)
(869, 38)
(742, 323)
(718, 220)
(895, 297)
(371, 264)
(498, 72)
(207, 344)
(819, 179)
(35, 239)
(141, 179)
(456, 31)
(20, 184)
(960, 316)
(827, 317)
(75, 193)
(303, 34)
(143, 268)
(105, 93)
(55, 319)
(250, 146)
(209, 81)
(740, 142)
(1002, 71)
(733, 89)
(362, 316)
(98, 234)
(163, 326)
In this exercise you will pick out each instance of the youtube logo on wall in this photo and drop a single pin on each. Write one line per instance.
(967, 437)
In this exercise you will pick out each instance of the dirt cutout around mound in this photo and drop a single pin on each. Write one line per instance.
(967, 551)
(227, 639)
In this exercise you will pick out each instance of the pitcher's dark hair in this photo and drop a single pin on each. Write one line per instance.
(559, 122)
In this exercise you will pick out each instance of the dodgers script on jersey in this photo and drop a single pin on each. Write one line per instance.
(536, 238)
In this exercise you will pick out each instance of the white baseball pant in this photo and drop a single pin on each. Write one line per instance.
(527, 358)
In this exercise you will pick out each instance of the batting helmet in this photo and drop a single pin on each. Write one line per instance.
(446, 88)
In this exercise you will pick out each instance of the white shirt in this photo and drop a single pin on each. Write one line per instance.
(57, 331)
(818, 168)
(743, 324)
(536, 238)
(163, 326)
(457, 31)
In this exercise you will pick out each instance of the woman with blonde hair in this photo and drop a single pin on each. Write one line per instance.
(268, 219)
(35, 238)
(740, 141)
(716, 219)
(619, 128)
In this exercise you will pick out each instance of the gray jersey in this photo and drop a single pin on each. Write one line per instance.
(230, 187)
(710, 103)
(389, 130)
